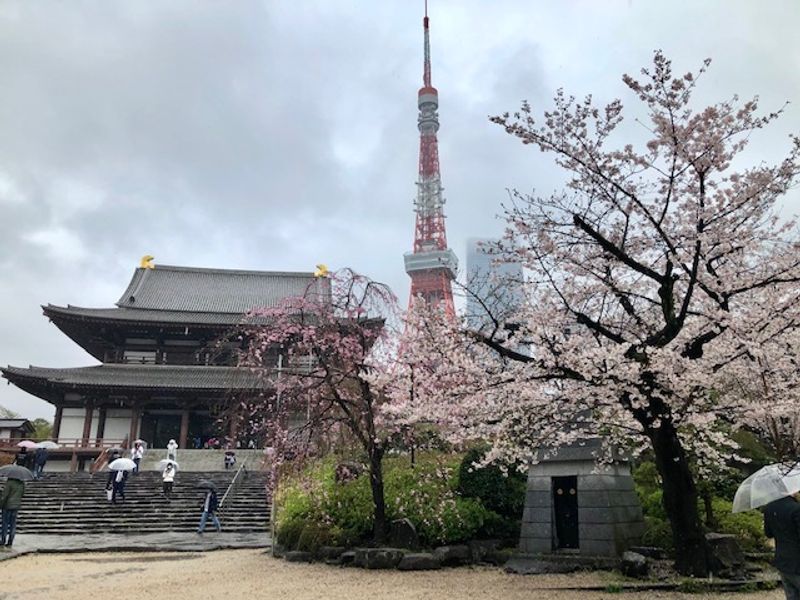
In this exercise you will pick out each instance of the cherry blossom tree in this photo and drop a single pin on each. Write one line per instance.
(324, 359)
(655, 277)
(767, 389)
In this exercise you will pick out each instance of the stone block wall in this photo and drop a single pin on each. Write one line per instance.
(609, 514)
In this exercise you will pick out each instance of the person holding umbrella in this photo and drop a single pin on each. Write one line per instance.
(39, 461)
(167, 478)
(776, 490)
(210, 504)
(121, 466)
(172, 450)
(10, 500)
(115, 454)
(137, 452)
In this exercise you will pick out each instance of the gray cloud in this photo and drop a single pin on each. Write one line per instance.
(272, 135)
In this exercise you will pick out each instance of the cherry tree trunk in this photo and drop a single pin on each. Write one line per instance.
(379, 530)
(680, 502)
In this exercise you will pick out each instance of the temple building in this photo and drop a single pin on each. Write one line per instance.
(167, 356)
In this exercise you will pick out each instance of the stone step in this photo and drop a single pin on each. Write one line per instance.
(77, 504)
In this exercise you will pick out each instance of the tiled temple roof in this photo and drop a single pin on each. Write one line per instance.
(126, 376)
(136, 315)
(190, 289)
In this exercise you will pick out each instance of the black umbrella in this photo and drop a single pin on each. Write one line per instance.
(205, 484)
(16, 472)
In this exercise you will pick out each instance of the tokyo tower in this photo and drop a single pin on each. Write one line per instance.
(432, 265)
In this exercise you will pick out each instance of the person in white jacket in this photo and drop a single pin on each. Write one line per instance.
(172, 450)
(168, 477)
(137, 452)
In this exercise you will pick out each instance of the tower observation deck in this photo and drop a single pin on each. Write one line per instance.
(431, 265)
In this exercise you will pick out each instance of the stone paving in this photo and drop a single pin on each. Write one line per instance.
(160, 542)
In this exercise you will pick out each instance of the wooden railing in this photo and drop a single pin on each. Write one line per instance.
(67, 443)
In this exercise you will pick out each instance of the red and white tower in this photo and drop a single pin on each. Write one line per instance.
(432, 265)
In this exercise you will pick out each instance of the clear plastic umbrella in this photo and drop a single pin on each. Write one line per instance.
(765, 485)
(121, 464)
(164, 462)
(48, 445)
(16, 472)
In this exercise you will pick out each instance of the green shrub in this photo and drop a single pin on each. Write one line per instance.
(657, 533)
(288, 532)
(498, 527)
(426, 496)
(646, 477)
(748, 527)
(499, 492)
(312, 537)
(349, 507)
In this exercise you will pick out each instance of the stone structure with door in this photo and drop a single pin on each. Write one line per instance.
(575, 506)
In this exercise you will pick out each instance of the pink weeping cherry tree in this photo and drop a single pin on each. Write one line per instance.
(657, 277)
(324, 359)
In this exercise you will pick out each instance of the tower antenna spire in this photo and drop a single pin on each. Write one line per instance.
(426, 72)
(432, 265)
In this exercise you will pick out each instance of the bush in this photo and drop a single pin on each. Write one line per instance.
(657, 533)
(342, 513)
(288, 532)
(312, 537)
(426, 496)
(499, 492)
(501, 528)
(748, 527)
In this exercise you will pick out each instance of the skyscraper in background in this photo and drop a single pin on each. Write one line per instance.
(493, 288)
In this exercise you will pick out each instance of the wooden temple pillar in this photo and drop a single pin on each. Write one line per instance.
(182, 441)
(136, 414)
(87, 424)
(101, 425)
(233, 427)
(57, 422)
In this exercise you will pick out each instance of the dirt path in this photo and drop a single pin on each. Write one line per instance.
(250, 574)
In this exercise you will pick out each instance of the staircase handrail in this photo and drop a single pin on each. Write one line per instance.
(233, 486)
(99, 462)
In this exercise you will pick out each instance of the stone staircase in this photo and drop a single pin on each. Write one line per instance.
(65, 504)
(201, 460)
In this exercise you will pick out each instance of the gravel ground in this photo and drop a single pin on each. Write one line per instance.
(239, 574)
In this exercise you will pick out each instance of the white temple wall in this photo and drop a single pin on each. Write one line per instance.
(71, 423)
(118, 423)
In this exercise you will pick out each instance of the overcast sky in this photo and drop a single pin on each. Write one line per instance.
(276, 135)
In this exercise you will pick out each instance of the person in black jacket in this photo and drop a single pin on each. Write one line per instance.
(39, 461)
(782, 522)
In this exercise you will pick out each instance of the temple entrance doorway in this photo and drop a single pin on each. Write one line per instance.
(158, 429)
(202, 429)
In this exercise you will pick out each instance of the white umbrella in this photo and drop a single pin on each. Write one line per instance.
(165, 461)
(47, 444)
(765, 485)
(142, 442)
(122, 464)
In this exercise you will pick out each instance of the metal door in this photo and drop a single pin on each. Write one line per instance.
(565, 509)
